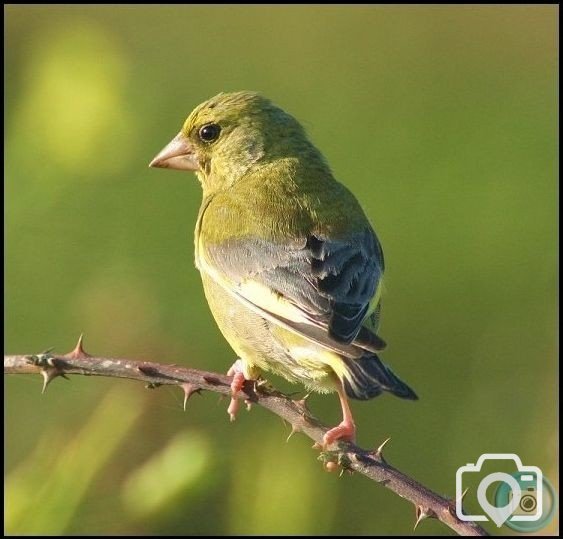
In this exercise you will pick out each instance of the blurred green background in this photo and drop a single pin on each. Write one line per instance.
(442, 120)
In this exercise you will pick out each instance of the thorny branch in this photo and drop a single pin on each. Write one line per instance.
(345, 455)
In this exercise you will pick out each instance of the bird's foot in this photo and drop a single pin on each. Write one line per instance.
(345, 431)
(236, 371)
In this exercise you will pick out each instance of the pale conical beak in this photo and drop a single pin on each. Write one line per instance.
(178, 154)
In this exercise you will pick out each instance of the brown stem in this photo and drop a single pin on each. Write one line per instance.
(349, 456)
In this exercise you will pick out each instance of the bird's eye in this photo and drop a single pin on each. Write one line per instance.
(209, 132)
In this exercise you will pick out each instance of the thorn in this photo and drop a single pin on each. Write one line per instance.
(462, 495)
(78, 352)
(454, 501)
(294, 429)
(189, 390)
(49, 374)
(379, 451)
(422, 514)
(317, 445)
(46, 380)
(303, 404)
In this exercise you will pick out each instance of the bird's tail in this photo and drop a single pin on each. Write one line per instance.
(368, 376)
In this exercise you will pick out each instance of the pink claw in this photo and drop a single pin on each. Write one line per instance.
(344, 431)
(236, 386)
(347, 429)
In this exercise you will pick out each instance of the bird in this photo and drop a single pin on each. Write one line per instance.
(291, 267)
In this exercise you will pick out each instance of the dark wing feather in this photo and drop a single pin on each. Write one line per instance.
(347, 273)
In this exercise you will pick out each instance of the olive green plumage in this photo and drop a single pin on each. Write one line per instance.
(290, 265)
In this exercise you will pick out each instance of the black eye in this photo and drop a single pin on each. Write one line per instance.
(209, 132)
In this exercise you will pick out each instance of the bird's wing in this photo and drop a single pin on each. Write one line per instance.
(319, 287)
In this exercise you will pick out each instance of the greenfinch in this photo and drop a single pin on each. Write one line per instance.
(291, 267)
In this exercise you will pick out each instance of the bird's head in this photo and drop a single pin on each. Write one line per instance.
(226, 136)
